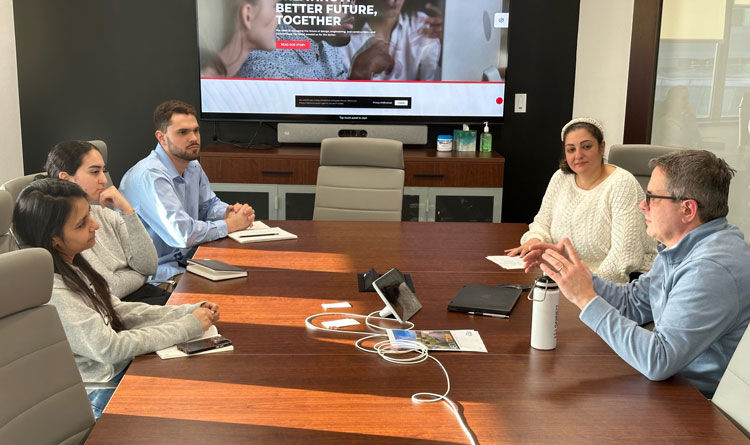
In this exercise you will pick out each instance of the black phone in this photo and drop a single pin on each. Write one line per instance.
(203, 344)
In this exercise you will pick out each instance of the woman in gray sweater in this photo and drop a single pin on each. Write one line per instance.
(104, 332)
(124, 253)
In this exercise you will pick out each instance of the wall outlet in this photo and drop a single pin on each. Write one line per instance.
(520, 103)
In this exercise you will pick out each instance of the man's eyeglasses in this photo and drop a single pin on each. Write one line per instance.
(672, 198)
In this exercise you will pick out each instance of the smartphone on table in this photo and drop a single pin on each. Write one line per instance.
(203, 344)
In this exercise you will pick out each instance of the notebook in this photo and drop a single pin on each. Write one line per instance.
(258, 235)
(487, 299)
(215, 270)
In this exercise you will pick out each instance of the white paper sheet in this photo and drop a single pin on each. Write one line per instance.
(342, 323)
(341, 304)
(507, 262)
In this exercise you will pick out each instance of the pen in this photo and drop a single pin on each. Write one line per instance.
(485, 314)
(258, 234)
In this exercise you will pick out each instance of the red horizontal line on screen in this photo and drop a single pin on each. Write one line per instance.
(347, 80)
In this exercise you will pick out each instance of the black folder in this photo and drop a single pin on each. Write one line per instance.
(486, 299)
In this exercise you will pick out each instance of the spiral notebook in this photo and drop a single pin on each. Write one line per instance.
(486, 299)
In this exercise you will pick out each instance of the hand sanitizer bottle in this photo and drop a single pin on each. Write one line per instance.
(485, 141)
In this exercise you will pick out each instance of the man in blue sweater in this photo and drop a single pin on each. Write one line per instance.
(698, 290)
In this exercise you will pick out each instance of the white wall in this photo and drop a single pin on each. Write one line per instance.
(11, 154)
(602, 63)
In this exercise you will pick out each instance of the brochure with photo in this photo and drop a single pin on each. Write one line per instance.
(437, 340)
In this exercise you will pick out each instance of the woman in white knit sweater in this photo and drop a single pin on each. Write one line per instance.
(124, 254)
(104, 332)
(595, 205)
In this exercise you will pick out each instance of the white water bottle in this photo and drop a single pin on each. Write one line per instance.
(546, 297)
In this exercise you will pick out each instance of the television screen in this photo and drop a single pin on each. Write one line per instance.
(353, 61)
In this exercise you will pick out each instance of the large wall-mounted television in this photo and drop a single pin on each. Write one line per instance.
(353, 61)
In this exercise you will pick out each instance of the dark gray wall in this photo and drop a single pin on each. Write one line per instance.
(542, 63)
(90, 69)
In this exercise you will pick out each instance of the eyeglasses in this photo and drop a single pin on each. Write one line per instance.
(672, 198)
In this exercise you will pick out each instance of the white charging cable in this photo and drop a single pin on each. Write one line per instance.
(391, 351)
(368, 317)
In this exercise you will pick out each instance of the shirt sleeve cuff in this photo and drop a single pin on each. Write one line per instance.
(594, 312)
(221, 227)
(218, 211)
(128, 217)
(131, 219)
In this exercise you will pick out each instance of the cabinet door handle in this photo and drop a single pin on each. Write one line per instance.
(276, 172)
(428, 175)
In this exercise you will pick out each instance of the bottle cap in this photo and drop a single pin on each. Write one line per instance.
(486, 127)
(545, 282)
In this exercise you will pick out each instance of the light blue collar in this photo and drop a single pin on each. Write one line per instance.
(167, 161)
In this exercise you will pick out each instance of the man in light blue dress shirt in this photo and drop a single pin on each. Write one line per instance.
(698, 291)
(171, 194)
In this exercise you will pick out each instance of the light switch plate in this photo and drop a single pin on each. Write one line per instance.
(520, 103)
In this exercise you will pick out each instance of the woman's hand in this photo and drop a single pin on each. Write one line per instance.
(523, 249)
(533, 257)
(375, 59)
(206, 315)
(213, 307)
(433, 25)
(111, 195)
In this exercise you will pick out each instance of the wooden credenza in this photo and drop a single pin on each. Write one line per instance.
(439, 186)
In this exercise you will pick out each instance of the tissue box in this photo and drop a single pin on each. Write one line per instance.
(464, 140)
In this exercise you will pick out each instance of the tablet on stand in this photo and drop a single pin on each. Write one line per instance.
(399, 300)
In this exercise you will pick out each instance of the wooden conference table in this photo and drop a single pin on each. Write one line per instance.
(284, 383)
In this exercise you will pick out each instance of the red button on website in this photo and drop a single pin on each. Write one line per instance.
(292, 44)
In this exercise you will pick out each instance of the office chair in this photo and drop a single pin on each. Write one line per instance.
(359, 179)
(15, 185)
(733, 393)
(43, 397)
(634, 158)
(7, 242)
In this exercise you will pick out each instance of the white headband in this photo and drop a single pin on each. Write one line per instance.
(578, 120)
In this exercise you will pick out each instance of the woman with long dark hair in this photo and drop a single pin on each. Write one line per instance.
(104, 332)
